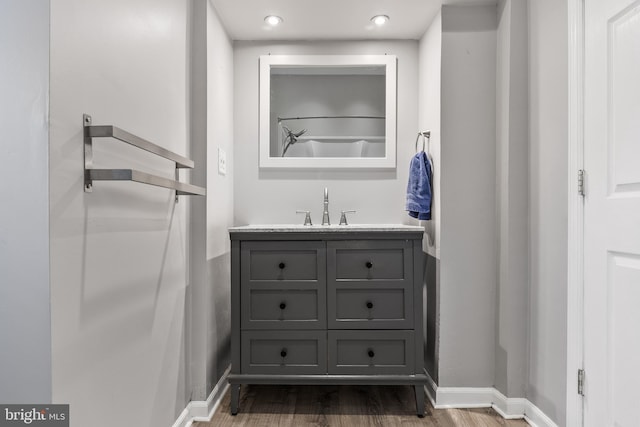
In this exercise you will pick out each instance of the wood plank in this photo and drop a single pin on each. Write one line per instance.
(344, 406)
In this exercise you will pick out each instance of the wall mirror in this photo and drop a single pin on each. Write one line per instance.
(328, 111)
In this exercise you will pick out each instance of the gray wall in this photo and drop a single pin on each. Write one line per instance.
(121, 293)
(211, 116)
(25, 322)
(468, 253)
(501, 288)
(273, 196)
(548, 124)
(219, 196)
(429, 82)
(512, 184)
(196, 296)
(119, 255)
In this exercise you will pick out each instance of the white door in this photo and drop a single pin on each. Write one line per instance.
(612, 213)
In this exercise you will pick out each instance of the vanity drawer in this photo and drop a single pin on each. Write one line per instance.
(360, 306)
(284, 352)
(283, 261)
(277, 308)
(389, 260)
(371, 352)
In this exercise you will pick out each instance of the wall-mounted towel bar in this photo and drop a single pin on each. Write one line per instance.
(91, 174)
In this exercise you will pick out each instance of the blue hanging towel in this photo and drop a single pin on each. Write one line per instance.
(419, 187)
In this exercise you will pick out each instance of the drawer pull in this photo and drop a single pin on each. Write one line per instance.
(283, 352)
(369, 264)
(283, 305)
(281, 266)
(369, 304)
(370, 353)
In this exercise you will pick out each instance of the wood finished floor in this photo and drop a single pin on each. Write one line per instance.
(344, 406)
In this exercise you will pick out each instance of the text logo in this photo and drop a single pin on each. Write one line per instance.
(34, 415)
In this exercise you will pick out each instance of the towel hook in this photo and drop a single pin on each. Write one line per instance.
(426, 136)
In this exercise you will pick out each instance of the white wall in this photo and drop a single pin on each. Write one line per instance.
(468, 253)
(25, 325)
(548, 121)
(118, 255)
(274, 196)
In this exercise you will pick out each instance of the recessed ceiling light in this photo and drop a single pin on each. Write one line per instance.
(272, 20)
(380, 19)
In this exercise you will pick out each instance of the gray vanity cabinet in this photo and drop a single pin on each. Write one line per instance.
(327, 306)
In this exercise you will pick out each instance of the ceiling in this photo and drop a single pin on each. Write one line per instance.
(330, 19)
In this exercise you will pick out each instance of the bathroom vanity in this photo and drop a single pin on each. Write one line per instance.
(327, 305)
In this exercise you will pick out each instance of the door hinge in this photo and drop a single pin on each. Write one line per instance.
(581, 182)
(581, 382)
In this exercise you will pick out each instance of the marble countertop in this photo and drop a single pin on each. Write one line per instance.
(299, 228)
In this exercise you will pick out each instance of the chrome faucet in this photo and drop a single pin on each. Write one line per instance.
(307, 217)
(325, 211)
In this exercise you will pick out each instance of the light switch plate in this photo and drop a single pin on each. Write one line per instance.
(222, 162)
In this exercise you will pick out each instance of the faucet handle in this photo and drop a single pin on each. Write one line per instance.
(343, 217)
(307, 217)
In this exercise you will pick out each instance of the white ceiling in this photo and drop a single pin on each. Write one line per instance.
(330, 19)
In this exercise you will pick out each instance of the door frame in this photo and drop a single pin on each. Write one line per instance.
(575, 256)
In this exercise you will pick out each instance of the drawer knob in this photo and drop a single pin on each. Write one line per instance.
(369, 264)
(370, 353)
(283, 305)
(281, 266)
(283, 352)
(369, 304)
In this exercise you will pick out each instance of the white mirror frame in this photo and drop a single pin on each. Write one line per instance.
(387, 162)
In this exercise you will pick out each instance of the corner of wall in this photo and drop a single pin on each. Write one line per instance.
(548, 168)
(25, 329)
(429, 79)
(512, 184)
(468, 196)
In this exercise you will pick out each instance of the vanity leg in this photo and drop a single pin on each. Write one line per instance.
(419, 400)
(235, 398)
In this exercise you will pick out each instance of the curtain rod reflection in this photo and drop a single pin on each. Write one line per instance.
(330, 117)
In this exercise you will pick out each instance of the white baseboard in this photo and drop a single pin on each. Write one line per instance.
(202, 410)
(510, 407)
(440, 397)
(535, 417)
(431, 389)
(487, 397)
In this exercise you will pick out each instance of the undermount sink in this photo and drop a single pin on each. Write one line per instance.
(324, 228)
